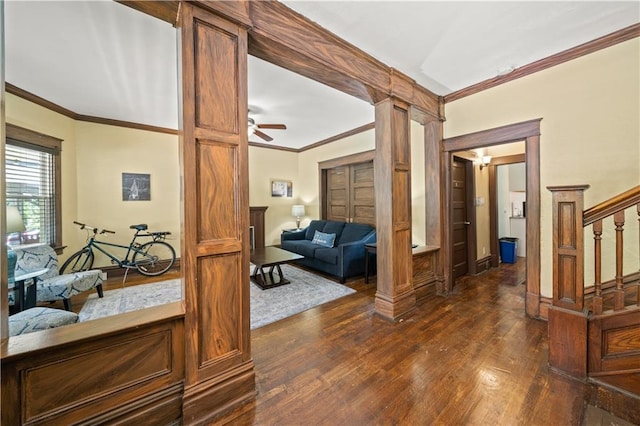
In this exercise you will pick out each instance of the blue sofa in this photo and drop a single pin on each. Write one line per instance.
(346, 257)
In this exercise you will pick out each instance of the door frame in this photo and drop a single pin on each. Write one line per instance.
(529, 131)
(493, 201)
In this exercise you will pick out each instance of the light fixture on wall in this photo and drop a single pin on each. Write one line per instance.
(485, 161)
(297, 210)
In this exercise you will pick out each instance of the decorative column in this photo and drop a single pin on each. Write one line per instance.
(567, 319)
(219, 372)
(395, 297)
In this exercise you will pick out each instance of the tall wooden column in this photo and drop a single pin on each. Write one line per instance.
(219, 370)
(567, 317)
(395, 296)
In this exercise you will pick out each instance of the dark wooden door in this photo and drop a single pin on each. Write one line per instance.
(350, 193)
(337, 195)
(362, 194)
(460, 217)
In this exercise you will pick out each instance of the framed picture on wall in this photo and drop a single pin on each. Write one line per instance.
(136, 187)
(281, 188)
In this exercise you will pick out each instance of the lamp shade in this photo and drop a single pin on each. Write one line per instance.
(14, 220)
(297, 210)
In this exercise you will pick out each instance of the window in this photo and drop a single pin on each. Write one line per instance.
(32, 173)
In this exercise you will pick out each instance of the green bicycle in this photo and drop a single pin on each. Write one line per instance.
(151, 258)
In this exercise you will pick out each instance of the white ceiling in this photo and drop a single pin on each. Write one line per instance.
(103, 59)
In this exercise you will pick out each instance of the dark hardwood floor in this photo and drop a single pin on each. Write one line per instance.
(471, 358)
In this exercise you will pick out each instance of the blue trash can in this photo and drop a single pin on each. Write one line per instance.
(508, 249)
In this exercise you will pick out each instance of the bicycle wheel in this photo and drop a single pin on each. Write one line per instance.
(154, 258)
(79, 261)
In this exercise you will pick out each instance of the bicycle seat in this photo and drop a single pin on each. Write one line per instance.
(141, 227)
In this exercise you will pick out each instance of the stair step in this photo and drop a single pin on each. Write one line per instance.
(619, 395)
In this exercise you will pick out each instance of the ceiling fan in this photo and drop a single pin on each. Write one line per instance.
(253, 129)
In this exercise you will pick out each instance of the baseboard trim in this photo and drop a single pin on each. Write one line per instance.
(115, 271)
(483, 264)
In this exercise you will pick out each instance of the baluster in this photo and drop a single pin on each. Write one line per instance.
(597, 236)
(618, 297)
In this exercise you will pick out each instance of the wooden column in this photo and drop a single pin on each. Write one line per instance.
(567, 319)
(433, 193)
(219, 371)
(395, 296)
(532, 155)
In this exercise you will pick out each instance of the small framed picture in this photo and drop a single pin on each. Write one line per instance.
(281, 188)
(136, 187)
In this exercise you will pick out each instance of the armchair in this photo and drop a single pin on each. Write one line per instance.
(52, 286)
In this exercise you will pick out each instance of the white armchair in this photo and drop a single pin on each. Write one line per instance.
(51, 285)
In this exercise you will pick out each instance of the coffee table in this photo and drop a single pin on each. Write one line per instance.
(272, 258)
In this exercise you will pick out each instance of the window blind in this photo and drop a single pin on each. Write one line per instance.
(30, 183)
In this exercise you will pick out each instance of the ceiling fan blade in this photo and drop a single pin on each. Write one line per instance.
(272, 126)
(262, 135)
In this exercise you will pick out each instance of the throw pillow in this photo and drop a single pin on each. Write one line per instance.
(322, 239)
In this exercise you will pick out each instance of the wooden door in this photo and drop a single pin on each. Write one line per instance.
(350, 194)
(362, 194)
(460, 221)
(337, 195)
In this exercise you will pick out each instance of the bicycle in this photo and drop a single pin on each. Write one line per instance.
(152, 258)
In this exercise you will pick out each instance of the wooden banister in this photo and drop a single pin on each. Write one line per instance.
(568, 314)
(609, 207)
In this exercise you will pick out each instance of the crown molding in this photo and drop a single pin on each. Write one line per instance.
(28, 96)
(608, 40)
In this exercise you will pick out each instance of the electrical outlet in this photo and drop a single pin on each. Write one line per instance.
(484, 251)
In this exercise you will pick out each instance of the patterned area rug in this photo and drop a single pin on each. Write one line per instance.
(305, 291)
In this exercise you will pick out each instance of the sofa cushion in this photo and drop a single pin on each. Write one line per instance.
(302, 247)
(324, 240)
(315, 225)
(328, 255)
(354, 232)
(332, 227)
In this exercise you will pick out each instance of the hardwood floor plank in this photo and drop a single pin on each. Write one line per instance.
(471, 358)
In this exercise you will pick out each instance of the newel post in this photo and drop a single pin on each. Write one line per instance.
(567, 317)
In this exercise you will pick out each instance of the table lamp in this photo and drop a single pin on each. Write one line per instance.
(14, 220)
(297, 210)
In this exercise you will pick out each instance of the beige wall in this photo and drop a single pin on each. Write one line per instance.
(94, 156)
(103, 154)
(266, 165)
(33, 117)
(590, 129)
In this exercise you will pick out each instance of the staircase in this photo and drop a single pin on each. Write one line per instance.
(594, 331)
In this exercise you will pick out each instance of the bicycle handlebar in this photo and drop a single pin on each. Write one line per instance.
(94, 230)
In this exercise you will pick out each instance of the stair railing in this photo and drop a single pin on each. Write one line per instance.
(615, 207)
(568, 315)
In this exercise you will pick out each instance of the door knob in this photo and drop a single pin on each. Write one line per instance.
(467, 223)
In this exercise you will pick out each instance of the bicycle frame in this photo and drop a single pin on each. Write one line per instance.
(131, 248)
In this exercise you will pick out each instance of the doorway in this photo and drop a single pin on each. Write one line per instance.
(529, 131)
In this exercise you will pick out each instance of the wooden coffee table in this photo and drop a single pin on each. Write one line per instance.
(272, 258)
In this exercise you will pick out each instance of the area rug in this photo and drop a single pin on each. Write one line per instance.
(305, 291)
